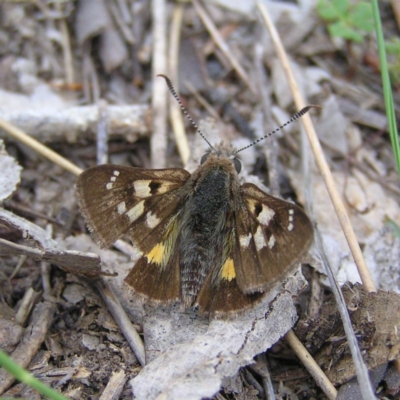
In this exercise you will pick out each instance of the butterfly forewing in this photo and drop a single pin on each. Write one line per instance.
(118, 200)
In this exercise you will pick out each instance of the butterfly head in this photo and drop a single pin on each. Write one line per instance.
(222, 152)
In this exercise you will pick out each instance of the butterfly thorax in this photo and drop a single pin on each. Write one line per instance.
(205, 223)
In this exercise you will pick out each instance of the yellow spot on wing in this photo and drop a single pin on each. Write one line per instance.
(156, 254)
(228, 270)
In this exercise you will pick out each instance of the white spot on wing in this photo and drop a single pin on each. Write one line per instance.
(135, 212)
(151, 220)
(116, 173)
(121, 208)
(244, 240)
(259, 239)
(271, 241)
(142, 188)
(290, 219)
(265, 215)
(113, 178)
(109, 186)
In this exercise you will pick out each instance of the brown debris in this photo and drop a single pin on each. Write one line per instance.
(374, 317)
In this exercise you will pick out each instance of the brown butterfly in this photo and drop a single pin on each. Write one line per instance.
(206, 240)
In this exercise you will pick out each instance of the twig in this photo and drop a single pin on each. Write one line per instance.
(124, 323)
(26, 211)
(159, 93)
(120, 22)
(77, 124)
(261, 367)
(34, 335)
(46, 285)
(114, 386)
(28, 301)
(102, 133)
(210, 109)
(38, 147)
(91, 85)
(253, 382)
(219, 40)
(312, 367)
(21, 262)
(87, 264)
(176, 116)
(66, 48)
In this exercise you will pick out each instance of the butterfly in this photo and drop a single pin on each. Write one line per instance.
(206, 240)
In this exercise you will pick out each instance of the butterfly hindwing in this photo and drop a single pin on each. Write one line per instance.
(272, 237)
(156, 275)
(220, 293)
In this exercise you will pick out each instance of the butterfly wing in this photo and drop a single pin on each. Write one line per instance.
(117, 201)
(272, 237)
(143, 205)
(268, 239)
(220, 293)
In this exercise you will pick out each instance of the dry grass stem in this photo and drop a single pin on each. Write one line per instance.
(116, 13)
(176, 117)
(102, 133)
(158, 143)
(311, 366)
(66, 48)
(40, 148)
(222, 45)
(114, 386)
(124, 323)
(210, 109)
(28, 301)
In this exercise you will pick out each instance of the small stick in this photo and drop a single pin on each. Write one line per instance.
(40, 148)
(158, 143)
(34, 335)
(312, 367)
(120, 317)
(219, 40)
(102, 133)
(176, 117)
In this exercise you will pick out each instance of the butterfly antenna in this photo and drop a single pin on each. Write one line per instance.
(295, 116)
(187, 115)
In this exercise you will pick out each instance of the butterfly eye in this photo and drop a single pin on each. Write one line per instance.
(237, 164)
(204, 158)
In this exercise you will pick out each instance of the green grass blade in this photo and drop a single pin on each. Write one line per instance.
(23, 376)
(387, 88)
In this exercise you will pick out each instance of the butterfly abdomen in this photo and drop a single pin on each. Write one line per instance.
(203, 230)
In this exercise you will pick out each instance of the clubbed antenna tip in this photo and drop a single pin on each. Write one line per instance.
(294, 117)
